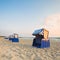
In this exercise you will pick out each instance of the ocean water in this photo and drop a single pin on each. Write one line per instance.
(50, 38)
(55, 38)
(27, 38)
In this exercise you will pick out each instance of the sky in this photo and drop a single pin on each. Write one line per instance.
(24, 16)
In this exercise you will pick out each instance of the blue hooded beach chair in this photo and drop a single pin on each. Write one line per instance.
(14, 38)
(41, 38)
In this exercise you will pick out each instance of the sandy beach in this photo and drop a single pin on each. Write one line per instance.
(23, 50)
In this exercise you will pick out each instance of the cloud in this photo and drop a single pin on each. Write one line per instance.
(52, 23)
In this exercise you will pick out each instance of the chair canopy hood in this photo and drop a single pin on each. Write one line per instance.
(42, 31)
(39, 31)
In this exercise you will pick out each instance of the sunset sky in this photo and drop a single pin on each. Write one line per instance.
(24, 16)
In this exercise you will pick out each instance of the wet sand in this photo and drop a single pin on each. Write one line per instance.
(23, 50)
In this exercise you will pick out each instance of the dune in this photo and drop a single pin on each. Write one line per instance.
(23, 50)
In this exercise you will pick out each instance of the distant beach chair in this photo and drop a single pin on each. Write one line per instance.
(14, 38)
(41, 38)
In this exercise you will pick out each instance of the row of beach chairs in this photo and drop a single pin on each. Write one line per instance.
(40, 41)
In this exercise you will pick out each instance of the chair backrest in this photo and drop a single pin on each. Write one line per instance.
(15, 35)
(45, 33)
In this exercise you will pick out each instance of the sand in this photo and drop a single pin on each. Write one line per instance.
(23, 50)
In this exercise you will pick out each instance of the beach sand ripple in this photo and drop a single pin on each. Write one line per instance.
(24, 51)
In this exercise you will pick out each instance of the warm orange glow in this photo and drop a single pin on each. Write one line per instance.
(52, 23)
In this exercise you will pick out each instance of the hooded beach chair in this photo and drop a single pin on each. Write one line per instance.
(41, 38)
(14, 37)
